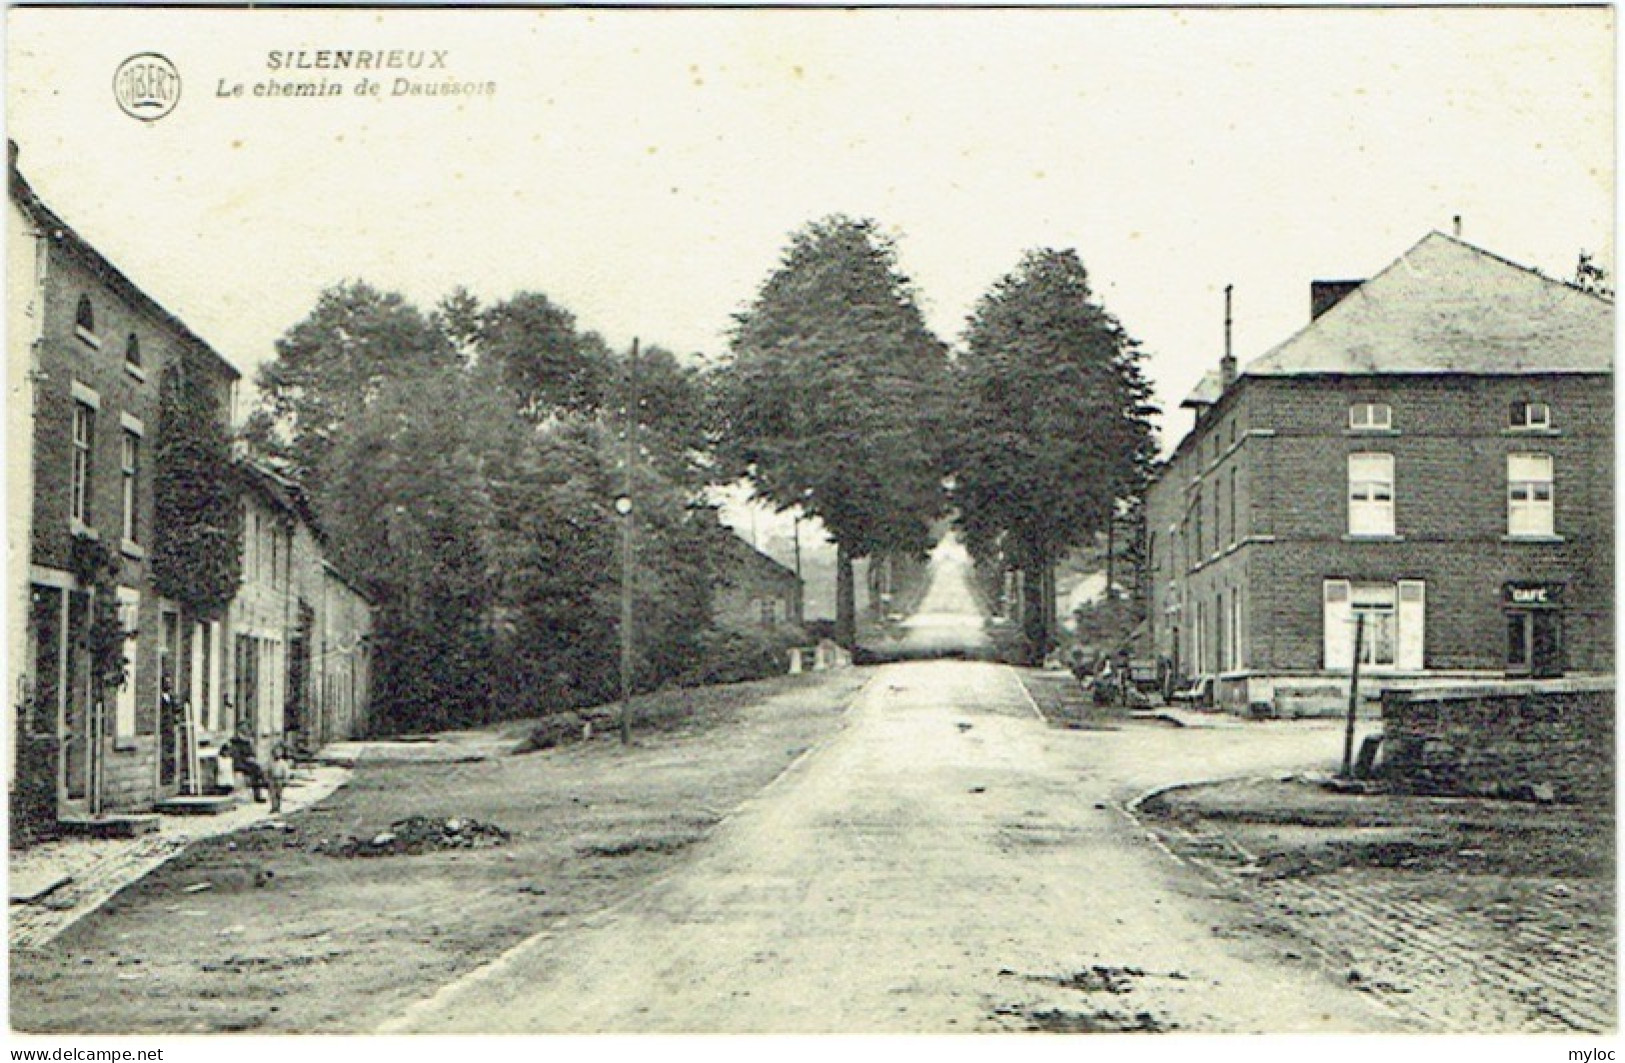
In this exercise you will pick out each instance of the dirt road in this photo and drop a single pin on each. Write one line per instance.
(945, 862)
(948, 617)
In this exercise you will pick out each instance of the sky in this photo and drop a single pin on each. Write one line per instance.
(645, 168)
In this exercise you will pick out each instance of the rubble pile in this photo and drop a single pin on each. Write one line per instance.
(421, 834)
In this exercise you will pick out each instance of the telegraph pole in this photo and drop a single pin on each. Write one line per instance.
(1354, 696)
(623, 505)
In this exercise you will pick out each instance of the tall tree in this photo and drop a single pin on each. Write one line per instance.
(531, 343)
(1054, 425)
(832, 393)
(333, 364)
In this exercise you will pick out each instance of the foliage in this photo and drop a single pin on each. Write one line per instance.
(738, 657)
(532, 346)
(1055, 419)
(197, 540)
(96, 568)
(835, 393)
(332, 365)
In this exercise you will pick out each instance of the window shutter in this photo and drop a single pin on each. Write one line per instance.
(1339, 626)
(1412, 624)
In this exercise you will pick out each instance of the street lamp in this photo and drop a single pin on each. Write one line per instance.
(623, 506)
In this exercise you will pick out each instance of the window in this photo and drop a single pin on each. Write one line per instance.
(132, 351)
(1529, 495)
(84, 322)
(129, 613)
(1371, 416)
(1197, 554)
(1235, 515)
(1371, 494)
(132, 474)
(1392, 618)
(84, 442)
(1530, 415)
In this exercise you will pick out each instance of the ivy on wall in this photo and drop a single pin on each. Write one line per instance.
(197, 542)
(97, 569)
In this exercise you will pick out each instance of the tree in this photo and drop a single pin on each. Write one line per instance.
(1055, 422)
(831, 394)
(531, 344)
(330, 367)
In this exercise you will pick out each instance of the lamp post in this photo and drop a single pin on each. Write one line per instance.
(623, 506)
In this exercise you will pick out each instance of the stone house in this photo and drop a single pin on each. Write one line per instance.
(753, 592)
(301, 635)
(1432, 454)
(86, 352)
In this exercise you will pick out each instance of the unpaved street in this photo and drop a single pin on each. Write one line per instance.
(943, 863)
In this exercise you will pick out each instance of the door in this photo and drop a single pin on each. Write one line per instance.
(1535, 643)
(169, 702)
(76, 722)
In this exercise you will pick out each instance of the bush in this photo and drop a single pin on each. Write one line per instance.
(736, 657)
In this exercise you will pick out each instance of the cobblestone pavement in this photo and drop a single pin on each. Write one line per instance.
(1452, 952)
(100, 867)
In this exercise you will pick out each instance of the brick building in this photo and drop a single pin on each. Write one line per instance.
(1432, 453)
(87, 350)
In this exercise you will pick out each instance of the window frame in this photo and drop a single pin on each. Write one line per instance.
(1531, 504)
(1367, 424)
(130, 467)
(1521, 421)
(1364, 497)
(83, 442)
(84, 322)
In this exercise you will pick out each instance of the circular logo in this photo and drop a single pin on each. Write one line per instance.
(147, 86)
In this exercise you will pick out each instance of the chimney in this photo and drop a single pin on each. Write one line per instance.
(1323, 295)
(1227, 364)
(1455, 226)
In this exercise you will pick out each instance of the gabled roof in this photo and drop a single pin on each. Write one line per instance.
(1446, 306)
(744, 553)
(64, 236)
(1206, 392)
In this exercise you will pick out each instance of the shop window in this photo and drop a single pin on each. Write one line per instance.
(1392, 617)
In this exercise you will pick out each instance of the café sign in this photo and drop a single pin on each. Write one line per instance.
(1534, 595)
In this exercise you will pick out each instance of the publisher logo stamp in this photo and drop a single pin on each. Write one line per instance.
(147, 86)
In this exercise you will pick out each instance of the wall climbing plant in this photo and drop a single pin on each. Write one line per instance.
(197, 542)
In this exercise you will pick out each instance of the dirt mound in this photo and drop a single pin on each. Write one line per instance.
(420, 834)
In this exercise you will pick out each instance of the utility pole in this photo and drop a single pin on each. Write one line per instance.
(1354, 696)
(795, 534)
(623, 505)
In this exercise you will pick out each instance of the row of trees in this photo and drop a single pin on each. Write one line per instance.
(464, 462)
(837, 399)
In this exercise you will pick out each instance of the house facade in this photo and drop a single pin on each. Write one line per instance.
(81, 419)
(301, 635)
(1426, 467)
(289, 657)
(754, 592)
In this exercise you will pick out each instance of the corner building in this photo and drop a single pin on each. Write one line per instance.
(1431, 455)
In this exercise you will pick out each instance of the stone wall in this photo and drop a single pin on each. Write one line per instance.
(1549, 741)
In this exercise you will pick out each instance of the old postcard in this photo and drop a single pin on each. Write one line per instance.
(811, 521)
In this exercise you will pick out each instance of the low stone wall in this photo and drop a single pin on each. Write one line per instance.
(1545, 741)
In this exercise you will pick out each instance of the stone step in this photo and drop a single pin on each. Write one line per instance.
(197, 805)
(120, 825)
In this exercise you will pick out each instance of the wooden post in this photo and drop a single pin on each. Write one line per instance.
(1354, 696)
